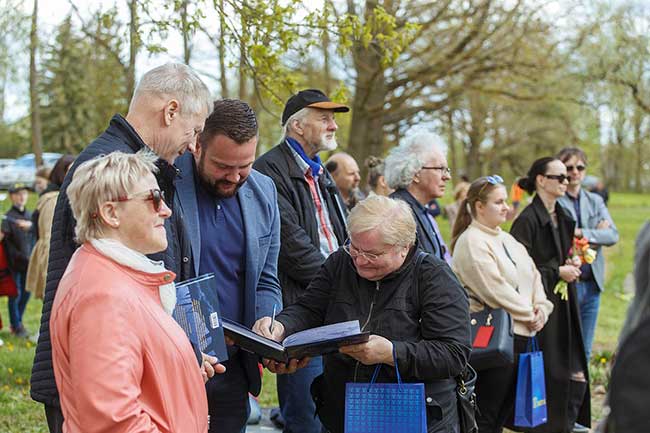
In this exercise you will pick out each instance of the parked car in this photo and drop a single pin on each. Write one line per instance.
(24, 169)
(7, 174)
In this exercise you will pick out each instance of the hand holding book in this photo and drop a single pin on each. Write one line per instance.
(273, 330)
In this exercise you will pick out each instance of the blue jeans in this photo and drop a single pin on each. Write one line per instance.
(298, 408)
(589, 303)
(18, 303)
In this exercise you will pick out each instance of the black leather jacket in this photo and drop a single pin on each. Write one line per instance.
(424, 312)
(119, 136)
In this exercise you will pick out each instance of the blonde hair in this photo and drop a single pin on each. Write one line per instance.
(393, 218)
(103, 179)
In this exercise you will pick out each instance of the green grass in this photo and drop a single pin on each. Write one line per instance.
(18, 413)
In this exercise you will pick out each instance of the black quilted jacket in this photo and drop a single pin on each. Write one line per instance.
(119, 136)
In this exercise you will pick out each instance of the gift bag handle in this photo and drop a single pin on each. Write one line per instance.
(533, 345)
(378, 367)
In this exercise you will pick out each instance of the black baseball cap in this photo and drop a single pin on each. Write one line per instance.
(17, 187)
(310, 98)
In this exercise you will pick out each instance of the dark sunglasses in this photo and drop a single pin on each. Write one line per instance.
(559, 177)
(577, 167)
(155, 195)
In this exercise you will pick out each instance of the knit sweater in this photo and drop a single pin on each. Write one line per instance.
(495, 268)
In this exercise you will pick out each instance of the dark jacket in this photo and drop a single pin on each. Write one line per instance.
(427, 239)
(18, 242)
(120, 136)
(425, 313)
(561, 338)
(300, 256)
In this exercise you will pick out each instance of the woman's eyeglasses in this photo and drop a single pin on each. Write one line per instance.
(577, 167)
(354, 252)
(559, 177)
(155, 195)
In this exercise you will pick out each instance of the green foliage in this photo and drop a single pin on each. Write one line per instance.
(82, 86)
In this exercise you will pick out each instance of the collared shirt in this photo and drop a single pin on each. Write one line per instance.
(223, 249)
(441, 243)
(586, 274)
(327, 238)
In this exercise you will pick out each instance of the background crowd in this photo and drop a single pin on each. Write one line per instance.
(287, 229)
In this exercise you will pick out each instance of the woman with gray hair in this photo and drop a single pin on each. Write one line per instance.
(418, 171)
(121, 362)
(412, 305)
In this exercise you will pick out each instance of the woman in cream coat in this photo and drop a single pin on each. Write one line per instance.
(497, 271)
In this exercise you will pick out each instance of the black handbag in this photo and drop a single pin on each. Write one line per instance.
(466, 399)
(492, 338)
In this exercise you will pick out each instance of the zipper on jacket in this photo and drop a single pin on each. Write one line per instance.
(372, 305)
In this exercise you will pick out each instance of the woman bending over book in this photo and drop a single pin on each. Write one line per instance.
(121, 362)
(410, 302)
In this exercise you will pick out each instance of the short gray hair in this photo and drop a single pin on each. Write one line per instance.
(179, 81)
(298, 115)
(393, 218)
(103, 179)
(405, 160)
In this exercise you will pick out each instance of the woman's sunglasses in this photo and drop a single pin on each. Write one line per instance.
(577, 167)
(155, 195)
(559, 177)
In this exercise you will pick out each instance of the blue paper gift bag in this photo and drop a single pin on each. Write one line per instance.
(385, 407)
(530, 401)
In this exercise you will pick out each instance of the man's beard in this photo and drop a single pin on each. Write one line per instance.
(328, 144)
(214, 187)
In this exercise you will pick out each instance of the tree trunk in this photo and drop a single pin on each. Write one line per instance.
(475, 135)
(37, 136)
(326, 63)
(453, 158)
(187, 46)
(242, 58)
(367, 127)
(222, 51)
(134, 46)
(638, 148)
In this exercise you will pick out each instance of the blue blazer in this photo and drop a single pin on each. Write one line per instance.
(259, 205)
(593, 211)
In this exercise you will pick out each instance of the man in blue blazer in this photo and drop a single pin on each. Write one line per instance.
(231, 214)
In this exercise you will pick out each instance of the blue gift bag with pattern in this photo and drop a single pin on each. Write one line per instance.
(385, 407)
(530, 400)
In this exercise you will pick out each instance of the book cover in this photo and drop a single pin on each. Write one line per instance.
(197, 312)
(311, 342)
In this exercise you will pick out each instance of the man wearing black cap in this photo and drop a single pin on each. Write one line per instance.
(16, 226)
(312, 216)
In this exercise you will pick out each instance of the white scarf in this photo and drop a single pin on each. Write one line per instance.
(125, 256)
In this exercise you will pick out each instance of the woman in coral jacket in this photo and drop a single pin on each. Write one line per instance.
(121, 362)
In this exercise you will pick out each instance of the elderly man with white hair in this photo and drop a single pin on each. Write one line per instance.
(417, 169)
(167, 111)
(412, 304)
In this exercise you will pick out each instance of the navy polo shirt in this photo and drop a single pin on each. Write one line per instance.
(223, 249)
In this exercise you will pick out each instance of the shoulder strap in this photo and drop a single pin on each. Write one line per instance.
(416, 273)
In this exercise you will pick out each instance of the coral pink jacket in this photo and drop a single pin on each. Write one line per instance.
(121, 363)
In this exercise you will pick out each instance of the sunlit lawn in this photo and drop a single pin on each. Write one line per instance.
(19, 414)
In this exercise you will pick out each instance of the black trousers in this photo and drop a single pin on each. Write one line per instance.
(228, 398)
(495, 393)
(54, 419)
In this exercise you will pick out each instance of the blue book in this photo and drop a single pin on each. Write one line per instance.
(197, 312)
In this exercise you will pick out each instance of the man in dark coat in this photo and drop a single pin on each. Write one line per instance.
(312, 217)
(167, 112)
(418, 171)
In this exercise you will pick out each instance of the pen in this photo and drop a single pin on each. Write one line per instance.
(275, 306)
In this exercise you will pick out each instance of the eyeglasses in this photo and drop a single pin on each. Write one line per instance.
(355, 253)
(155, 195)
(577, 167)
(559, 177)
(442, 169)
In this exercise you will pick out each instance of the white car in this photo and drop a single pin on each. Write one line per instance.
(24, 169)
(7, 174)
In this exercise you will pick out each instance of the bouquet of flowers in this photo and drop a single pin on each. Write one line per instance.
(579, 254)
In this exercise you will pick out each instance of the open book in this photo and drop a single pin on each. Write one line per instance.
(310, 342)
(197, 312)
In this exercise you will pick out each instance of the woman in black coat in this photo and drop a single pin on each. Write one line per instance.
(546, 231)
